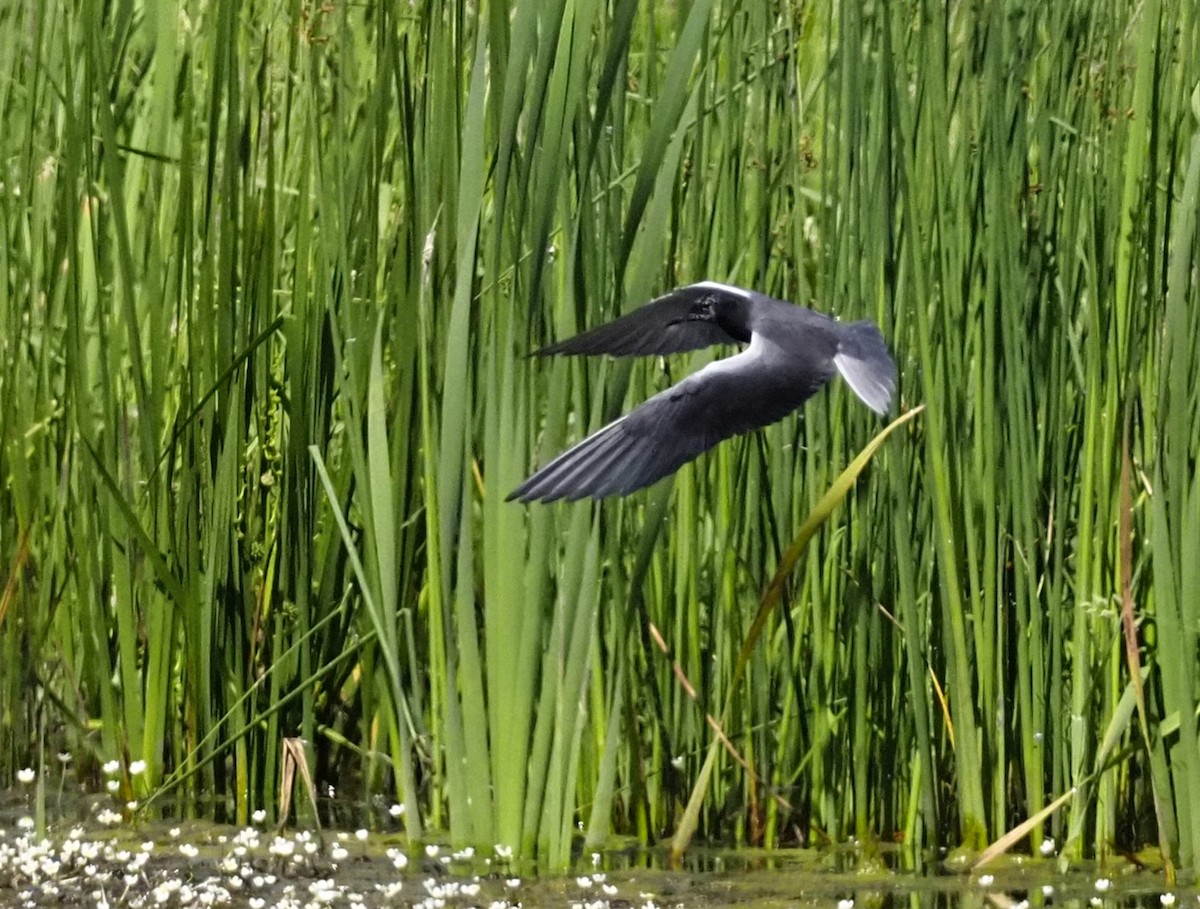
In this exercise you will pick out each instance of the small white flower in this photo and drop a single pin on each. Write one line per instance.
(846, 904)
(1103, 883)
(985, 880)
(137, 768)
(513, 883)
(259, 816)
(111, 767)
(1167, 899)
(432, 850)
(1047, 847)
(396, 810)
(399, 859)
(1047, 890)
(323, 891)
(361, 834)
(188, 850)
(112, 785)
(27, 775)
(282, 846)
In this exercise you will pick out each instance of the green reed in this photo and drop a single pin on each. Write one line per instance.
(271, 273)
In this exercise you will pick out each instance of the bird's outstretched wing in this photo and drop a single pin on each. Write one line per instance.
(731, 396)
(661, 326)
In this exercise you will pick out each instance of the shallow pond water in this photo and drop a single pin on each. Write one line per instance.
(207, 865)
(107, 861)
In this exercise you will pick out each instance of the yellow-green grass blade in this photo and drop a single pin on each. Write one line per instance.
(821, 513)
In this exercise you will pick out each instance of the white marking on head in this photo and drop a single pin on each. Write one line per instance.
(727, 288)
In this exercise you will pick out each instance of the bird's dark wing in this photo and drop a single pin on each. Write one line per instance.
(731, 396)
(661, 326)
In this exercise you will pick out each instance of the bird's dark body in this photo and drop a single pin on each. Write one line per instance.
(793, 353)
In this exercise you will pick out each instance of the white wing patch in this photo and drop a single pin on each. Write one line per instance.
(734, 363)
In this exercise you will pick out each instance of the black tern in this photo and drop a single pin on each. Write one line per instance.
(793, 352)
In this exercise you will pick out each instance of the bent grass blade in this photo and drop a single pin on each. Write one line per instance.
(770, 599)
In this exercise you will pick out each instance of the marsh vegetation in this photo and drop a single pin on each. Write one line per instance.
(268, 279)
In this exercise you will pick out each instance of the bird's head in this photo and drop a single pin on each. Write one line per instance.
(728, 311)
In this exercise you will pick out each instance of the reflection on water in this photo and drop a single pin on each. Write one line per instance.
(144, 864)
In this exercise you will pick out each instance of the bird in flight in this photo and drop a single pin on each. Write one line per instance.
(792, 352)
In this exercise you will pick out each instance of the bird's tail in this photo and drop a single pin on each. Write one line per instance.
(863, 360)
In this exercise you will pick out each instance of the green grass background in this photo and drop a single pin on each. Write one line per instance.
(269, 274)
